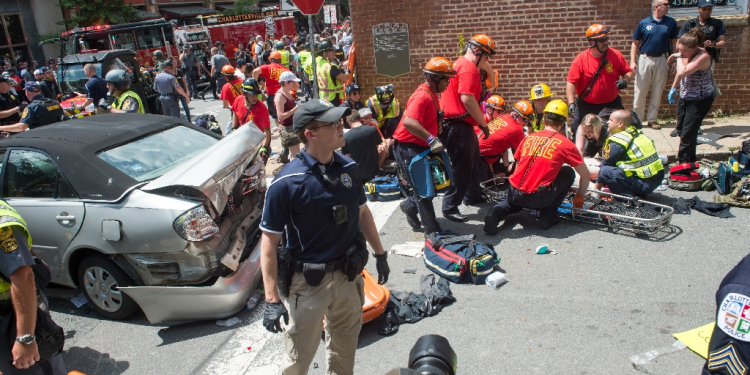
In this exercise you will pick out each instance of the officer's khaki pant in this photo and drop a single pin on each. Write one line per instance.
(651, 76)
(341, 302)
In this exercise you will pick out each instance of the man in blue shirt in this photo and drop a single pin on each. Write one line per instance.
(653, 39)
(96, 87)
(318, 203)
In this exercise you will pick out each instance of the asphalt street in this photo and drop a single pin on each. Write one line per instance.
(603, 298)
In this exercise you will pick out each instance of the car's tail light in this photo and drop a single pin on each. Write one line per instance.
(195, 225)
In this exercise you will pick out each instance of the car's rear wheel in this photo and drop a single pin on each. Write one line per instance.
(100, 279)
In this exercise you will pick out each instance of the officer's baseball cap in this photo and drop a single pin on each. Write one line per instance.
(4, 79)
(32, 86)
(44, 69)
(167, 63)
(318, 110)
(706, 3)
(38, 71)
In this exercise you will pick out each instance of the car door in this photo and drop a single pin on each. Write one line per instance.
(33, 185)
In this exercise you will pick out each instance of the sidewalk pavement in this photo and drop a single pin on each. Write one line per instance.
(738, 127)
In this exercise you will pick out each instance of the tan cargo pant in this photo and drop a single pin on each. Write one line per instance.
(651, 76)
(341, 302)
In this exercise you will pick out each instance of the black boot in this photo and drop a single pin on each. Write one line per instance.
(491, 221)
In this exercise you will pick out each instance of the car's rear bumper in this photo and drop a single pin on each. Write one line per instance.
(225, 297)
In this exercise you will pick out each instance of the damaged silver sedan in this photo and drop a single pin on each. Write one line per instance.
(142, 211)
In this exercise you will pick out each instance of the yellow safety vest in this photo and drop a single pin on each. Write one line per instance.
(284, 58)
(9, 217)
(329, 88)
(128, 94)
(643, 160)
(393, 111)
(304, 56)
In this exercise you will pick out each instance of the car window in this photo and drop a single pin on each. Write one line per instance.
(151, 157)
(31, 174)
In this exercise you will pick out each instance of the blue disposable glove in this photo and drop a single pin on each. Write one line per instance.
(672, 96)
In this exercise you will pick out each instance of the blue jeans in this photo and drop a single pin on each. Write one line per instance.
(617, 182)
(184, 102)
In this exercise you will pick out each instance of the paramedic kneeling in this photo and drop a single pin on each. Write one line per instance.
(541, 181)
(317, 202)
(631, 166)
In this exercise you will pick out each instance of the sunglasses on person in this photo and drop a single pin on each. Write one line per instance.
(334, 124)
(602, 40)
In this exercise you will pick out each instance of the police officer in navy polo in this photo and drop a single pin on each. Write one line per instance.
(10, 104)
(40, 111)
(168, 87)
(317, 203)
(729, 349)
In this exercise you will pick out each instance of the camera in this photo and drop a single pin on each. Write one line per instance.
(430, 355)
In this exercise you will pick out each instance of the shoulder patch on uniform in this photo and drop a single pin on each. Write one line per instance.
(607, 149)
(25, 113)
(734, 316)
(346, 180)
(727, 358)
(127, 104)
(7, 240)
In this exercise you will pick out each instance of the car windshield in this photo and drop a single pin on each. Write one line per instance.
(72, 77)
(153, 156)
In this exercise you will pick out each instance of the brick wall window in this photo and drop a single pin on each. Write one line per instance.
(13, 41)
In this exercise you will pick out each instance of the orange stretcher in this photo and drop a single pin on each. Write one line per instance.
(376, 298)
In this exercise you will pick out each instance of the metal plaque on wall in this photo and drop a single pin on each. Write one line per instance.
(391, 46)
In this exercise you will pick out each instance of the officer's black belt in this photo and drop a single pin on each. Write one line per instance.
(172, 94)
(654, 54)
(330, 267)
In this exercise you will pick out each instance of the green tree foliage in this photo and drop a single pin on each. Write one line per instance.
(98, 12)
(241, 7)
(461, 45)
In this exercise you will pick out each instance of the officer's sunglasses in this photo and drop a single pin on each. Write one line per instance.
(331, 124)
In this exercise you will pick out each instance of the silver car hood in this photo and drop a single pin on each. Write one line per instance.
(215, 171)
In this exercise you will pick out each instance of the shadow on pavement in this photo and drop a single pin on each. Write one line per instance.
(728, 129)
(91, 362)
(193, 330)
(369, 333)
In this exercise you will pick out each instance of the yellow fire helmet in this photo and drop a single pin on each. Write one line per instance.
(540, 91)
(557, 107)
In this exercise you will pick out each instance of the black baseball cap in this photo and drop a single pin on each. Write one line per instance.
(706, 3)
(32, 86)
(318, 110)
(7, 80)
(167, 63)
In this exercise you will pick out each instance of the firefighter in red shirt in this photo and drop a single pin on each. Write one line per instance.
(495, 108)
(418, 130)
(271, 73)
(506, 132)
(602, 91)
(540, 180)
(460, 101)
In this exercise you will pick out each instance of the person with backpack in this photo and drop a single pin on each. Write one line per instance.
(418, 132)
(596, 76)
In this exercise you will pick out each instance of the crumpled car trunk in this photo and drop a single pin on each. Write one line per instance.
(213, 174)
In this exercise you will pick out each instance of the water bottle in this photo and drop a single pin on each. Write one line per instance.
(495, 279)
(253, 300)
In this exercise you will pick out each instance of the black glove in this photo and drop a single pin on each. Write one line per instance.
(622, 84)
(572, 109)
(381, 265)
(272, 316)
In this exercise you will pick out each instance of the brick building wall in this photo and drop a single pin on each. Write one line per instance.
(536, 42)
